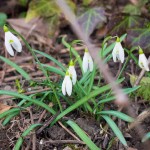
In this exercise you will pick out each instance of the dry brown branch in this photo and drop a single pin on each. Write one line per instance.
(120, 96)
(69, 131)
(139, 119)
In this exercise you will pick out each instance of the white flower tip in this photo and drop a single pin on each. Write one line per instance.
(122, 60)
(147, 69)
(67, 85)
(87, 62)
(12, 41)
(118, 52)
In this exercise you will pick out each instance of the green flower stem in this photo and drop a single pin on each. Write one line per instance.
(74, 52)
(42, 68)
(124, 65)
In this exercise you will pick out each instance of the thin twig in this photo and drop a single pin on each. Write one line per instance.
(68, 131)
(41, 116)
(33, 135)
(139, 119)
(47, 123)
(141, 75)
(62, 142)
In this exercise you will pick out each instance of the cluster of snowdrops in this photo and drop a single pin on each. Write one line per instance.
(12, 42)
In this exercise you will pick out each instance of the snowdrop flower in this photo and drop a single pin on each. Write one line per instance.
(118, 51)
(87, 62)
(67, 85)
(72, 72)
(11, 41)
(143, 62)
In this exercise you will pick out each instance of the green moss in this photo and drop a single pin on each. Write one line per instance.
(144, 90)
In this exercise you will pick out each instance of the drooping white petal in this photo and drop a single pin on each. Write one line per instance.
(140, 64)
(8, 36)
(114, 53)
(85, 62)
(143, 62)
(121, 52)
(64, 86)
(16, 44)
(73, 73)
(90, 61)
(118, 52)
(9, 48)
(68, 85)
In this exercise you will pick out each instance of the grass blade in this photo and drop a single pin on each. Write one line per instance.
(25, 133)
(82, 135)
(39, 103)
(115, 129)
(14, 110)
(52, 59)
(146, 137)
(117, 114)
(18, 68)
(81, 101)
(54, 69)
(126, 91)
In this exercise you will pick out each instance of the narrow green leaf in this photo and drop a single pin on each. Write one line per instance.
(33, 126)
(9, 117)
(39, 103)
(54, 69)
(18, 68)
(85, 77)
(2, 115)
(52, 59)
(18, 144)
(25, 133)
(115, 129)
(126, 91)
(82, 135)
(117, 114)
(81, 101)
(92, 79)
(146, 137)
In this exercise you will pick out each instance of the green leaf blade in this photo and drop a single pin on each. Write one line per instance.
(39, 103)
(18, 68)
(115, 129)
(82, 135)
(117, 114)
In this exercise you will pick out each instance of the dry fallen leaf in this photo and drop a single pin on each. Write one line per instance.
(4, 108)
